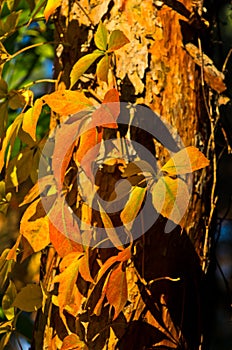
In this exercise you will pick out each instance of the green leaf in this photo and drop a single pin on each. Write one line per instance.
(7, 301)
(185, 161)
(29, 298)
(100, 38)
(3, 88)
(81, 66)
(4, 117)
(11, 134)
(170, 198)
(133, 206)
(117, 40)
(103, 68)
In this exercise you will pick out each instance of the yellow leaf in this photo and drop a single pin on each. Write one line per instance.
(66, 102)
(133, 205)
(30, 118)
(81, 66)
(103, 69)
(170, 197)
(29, 298)
(185, 161)
(34, 226)
(51, 7)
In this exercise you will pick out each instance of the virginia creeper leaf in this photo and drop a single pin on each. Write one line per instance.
(50, 8)
(117, 297)
(117, 40)
(107, 114)
(170, 197)
(81, 66)
(10, 137)
(63, 228)
(29, 298)
(109, 228)
(67, 102)
(185, 161)
(67, 292)
(73, 342)
(100, 38)
(103, 68)
(30, 118)
(34, 226)
(133, 205)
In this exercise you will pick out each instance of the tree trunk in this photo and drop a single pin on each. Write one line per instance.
(156, 70)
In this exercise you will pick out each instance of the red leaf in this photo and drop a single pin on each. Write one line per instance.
(107, 114)
(63, 228)
(116, 291)
(117, 40)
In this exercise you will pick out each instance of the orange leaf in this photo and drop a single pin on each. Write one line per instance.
(68, 294)
(63, 150)
(63, 229)
(117, 40)
(84, 268)
(30, 118)
(117, 296)
(107, 114)
(185, 161)
(66, 102)
(124, 255)
(88, 150)
(38, 188)
(34, 226)
(51, 7)
(73, 342)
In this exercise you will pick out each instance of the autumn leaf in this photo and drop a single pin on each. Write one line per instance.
(81, 66)
(38, 189)
(109, 228)
(29, 298)
(117, 40)
(88, 149)
(133, 205)
(64, 231)
(50, 8)
(117, 297)
(73, 342)
(107, 114)
(30, 118)
(10, 137)
(185, 161)
(170, 197)
(34, 226)
(67, 292)
(103, 68)
(100, 37)
(84, 267)
(66, 102)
